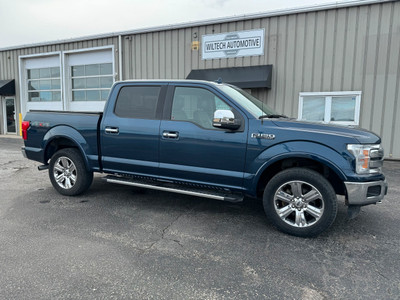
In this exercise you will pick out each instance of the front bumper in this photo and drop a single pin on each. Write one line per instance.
(364, 193)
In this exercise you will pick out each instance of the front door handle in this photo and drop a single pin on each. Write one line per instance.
(170, 134)
(112, 130)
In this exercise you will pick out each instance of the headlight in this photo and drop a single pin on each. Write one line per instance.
(369, 158)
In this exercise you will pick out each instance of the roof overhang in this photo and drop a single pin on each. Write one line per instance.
(7, 87)
(243, 77)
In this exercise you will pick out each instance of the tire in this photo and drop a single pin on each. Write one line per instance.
(300, 202)
(68, 173)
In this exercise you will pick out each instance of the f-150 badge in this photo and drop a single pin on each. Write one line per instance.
(266, 136)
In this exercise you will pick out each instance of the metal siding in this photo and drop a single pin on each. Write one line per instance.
(273, 57)
(339, 48)
(156, 58)
(290, 40)
(349, 50)
(381, 71)
(307, 47)
(281, 62)
(370, 67)
(163, 54)
(193, 63)
(142, 54)
(392, 118)
(174, 46)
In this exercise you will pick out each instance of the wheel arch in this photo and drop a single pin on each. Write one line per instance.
(322, 159)
(62, 137)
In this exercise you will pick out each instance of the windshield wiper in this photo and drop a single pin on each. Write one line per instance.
(272, 116)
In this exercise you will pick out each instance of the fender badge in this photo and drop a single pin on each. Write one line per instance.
(266, 136)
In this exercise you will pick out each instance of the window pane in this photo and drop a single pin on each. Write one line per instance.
(92, 83)
(45, 96)
(55, 84)
(33, 96)
(78, 71)
(343, 109)
(45, 73)
(55, 72)
(106, 69)
(78, 83)
(196, 105)
(45, 84)
(104, 94)
(106, 82)
(33, 74)
(138, 102)
(78, 96)
(56, 96)
(93, 95)
(33, 85)
(91, 70)
(313, 109)
(219, 104)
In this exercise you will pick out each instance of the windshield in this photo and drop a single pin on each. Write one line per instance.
(249, 102)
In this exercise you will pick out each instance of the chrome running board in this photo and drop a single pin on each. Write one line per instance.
(175, 188)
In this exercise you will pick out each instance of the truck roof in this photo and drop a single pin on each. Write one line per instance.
(170, 81)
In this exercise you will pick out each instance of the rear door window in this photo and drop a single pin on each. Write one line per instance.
(137, 102)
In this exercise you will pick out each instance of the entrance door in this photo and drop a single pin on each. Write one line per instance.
(9, 115)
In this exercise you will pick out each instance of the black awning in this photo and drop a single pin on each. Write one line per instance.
(243, 77)
(7, 87)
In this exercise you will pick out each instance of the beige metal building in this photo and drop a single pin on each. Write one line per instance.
(337, 63)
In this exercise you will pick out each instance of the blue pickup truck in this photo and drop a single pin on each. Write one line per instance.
(211, 140)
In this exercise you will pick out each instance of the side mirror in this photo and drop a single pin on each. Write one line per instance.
(225, 119)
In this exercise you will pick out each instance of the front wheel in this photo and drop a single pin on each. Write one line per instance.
(68, 173)
(300, 202)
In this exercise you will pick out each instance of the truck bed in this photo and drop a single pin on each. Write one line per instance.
(47, 125)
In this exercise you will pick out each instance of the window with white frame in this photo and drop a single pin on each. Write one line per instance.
(91, 82)
(330, 107)
(41, 80)
(89, 75)
(44, 84)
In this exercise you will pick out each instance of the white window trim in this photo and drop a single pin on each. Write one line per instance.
(328, 105)
(23, 91)
(67, 88)
(65, 93)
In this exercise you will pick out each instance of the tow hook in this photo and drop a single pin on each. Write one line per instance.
(353, 211)
(43, 167)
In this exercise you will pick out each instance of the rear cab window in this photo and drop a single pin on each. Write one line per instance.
(138, 102)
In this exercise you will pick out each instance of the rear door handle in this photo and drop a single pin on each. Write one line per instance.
(112, 130)
(170, 134)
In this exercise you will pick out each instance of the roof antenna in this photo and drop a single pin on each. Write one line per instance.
(219, 80)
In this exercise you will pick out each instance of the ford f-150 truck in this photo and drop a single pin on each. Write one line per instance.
(212, 140)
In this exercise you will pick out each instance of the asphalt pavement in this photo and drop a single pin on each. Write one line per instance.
(117, 242)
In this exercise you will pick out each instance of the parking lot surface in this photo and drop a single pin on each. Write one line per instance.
(116, 242)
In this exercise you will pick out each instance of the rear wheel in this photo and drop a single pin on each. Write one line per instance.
(68, 173)
(300, 202)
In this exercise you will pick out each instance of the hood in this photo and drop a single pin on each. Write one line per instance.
(363, 136)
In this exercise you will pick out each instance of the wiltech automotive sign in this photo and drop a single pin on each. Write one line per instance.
(233, 44)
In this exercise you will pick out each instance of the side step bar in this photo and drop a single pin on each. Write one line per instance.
(175, 188)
